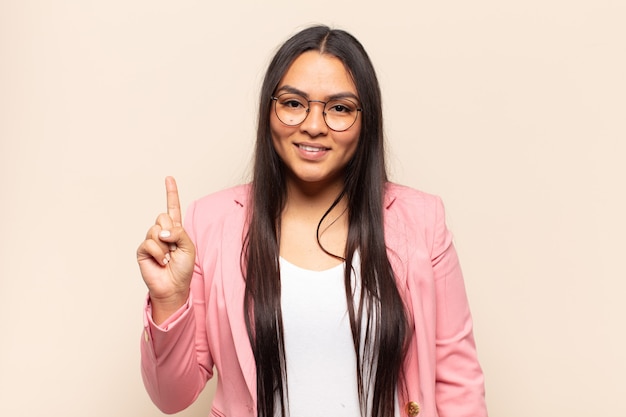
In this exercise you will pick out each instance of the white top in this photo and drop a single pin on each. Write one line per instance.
(321, 363)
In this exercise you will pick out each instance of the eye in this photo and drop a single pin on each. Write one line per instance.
(292, 102)
(341, 107)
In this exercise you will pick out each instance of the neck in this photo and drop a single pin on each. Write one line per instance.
(312, 198)
(307, 237)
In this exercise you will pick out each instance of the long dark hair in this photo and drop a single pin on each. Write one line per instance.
(377, 315)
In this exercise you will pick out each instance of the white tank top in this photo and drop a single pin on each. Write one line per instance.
(321, 364)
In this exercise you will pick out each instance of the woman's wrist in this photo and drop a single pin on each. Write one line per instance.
(163, 308)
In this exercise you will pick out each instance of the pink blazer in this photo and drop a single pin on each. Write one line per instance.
(443, 377)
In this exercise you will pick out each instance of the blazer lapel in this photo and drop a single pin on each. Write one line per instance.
(234, 289)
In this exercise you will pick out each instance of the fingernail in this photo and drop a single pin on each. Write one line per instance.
(165, 233)
(165, 261)
(167, 257)
(173, 247)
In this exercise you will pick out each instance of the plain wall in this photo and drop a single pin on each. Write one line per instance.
(512, 111)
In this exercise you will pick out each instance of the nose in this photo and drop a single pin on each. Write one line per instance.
(314, 123)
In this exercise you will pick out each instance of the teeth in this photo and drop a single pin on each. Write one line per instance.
(310, 148)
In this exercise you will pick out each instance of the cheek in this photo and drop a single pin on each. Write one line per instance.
(275, 132)
(280, 135)
(352, 142)
(278, 130)
(273, 121)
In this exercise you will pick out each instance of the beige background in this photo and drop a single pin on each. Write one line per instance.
(512, 111)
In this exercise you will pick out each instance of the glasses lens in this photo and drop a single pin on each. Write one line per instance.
(340, 114)
(291, 109)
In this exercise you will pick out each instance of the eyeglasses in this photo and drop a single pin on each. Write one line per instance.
(339, 114)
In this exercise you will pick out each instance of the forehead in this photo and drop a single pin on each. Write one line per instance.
(318, 75)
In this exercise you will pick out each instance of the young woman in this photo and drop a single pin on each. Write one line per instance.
(320, 289)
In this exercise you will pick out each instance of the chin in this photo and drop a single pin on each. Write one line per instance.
(318, 179)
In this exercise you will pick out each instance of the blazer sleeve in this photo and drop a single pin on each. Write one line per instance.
(175, 359)
(459, 385)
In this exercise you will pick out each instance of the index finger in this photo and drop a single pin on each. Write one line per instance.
(173, 203)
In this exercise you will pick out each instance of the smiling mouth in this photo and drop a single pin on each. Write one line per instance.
(309, 148)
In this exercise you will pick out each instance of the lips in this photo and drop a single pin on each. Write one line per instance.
(311, 151)
(309, 148)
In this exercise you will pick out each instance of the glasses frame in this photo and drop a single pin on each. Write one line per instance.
(308, 110)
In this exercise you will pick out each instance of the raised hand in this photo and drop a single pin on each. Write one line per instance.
(166, 258)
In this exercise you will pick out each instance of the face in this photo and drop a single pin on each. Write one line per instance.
(314, 154)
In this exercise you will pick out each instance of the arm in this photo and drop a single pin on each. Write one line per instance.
(459, 378)
(175, 363)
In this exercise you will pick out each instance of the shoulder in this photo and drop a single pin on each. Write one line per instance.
(403, 199)
(226, 198)
(414, 216)
(219, 206)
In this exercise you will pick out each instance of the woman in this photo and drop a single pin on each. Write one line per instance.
(320, 288)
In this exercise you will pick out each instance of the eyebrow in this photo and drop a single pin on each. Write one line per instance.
(294, 90)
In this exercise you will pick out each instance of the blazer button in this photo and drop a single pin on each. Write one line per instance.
(412, 408)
